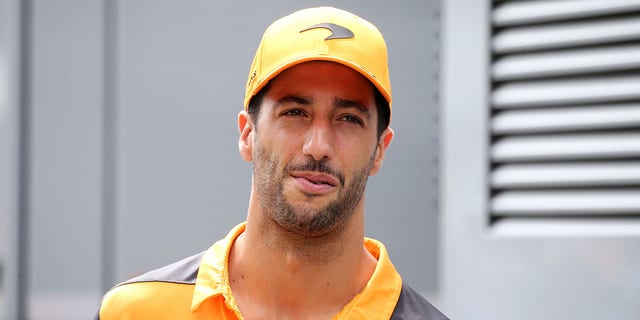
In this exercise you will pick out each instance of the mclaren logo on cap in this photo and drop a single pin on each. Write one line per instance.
(337, 31)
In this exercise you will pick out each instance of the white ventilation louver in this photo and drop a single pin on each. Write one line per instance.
(565, 99)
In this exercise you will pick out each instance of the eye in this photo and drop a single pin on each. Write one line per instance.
(352, 119)
(293, 113)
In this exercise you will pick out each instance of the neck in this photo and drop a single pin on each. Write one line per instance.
(285, 273)
(312, 250)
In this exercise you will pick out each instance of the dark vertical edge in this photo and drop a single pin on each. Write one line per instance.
(489, 86)
(24, 162)
(109, 151)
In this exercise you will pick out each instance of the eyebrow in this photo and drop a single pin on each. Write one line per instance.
(338, 103)
(345, 103)
(295, 99)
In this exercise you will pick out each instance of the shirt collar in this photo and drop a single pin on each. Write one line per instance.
(213, 275)
(378, 298)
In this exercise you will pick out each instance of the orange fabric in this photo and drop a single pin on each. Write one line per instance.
(303, 36)
(148, 300)
(211, 297)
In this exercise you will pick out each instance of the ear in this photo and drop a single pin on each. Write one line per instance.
(381, 149)
(245, 143)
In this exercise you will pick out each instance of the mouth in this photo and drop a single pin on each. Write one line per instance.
(316, 183)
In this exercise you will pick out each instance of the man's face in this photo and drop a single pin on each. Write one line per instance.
(314, 146)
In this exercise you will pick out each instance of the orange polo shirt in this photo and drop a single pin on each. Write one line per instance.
(198, 288)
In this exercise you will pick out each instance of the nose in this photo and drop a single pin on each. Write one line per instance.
(319, 141)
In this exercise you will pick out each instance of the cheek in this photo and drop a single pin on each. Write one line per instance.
(272, 151)
(356, 147)
(286, 145)
(357, 157)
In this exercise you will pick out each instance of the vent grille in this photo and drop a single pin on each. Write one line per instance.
(565, 109)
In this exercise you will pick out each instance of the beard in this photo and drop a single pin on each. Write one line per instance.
(305, 219)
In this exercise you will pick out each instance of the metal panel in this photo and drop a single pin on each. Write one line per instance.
(566, 147)
(574, 98)
(11, 143)
(564, 35)
(566, 202)
(65, 185)
(520, 12)
(554, 175)
(566, 62)
(613, 116)
(566, 91)
(500, 261)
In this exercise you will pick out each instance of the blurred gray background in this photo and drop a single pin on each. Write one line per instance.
(511, 189)
(127, 152)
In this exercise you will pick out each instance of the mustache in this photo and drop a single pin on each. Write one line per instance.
(317, 166)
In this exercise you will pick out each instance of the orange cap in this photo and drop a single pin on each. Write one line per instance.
(324, 33)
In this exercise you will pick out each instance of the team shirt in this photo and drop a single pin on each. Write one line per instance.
(198, 288)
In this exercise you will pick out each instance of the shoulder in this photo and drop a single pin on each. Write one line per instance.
(412, 306)
(183, 271)
(169, 288)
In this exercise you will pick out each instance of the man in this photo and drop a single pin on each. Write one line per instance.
(315, 127)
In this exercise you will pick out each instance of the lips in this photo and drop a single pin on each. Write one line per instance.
(316, 183)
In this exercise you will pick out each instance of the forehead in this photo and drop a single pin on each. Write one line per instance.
(320, 77)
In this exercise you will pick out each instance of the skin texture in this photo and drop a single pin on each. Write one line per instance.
(313, 146)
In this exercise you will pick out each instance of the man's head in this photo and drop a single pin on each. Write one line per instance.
(325, 34)
(323, 113)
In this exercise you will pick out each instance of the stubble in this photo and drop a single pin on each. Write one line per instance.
(305, 219)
